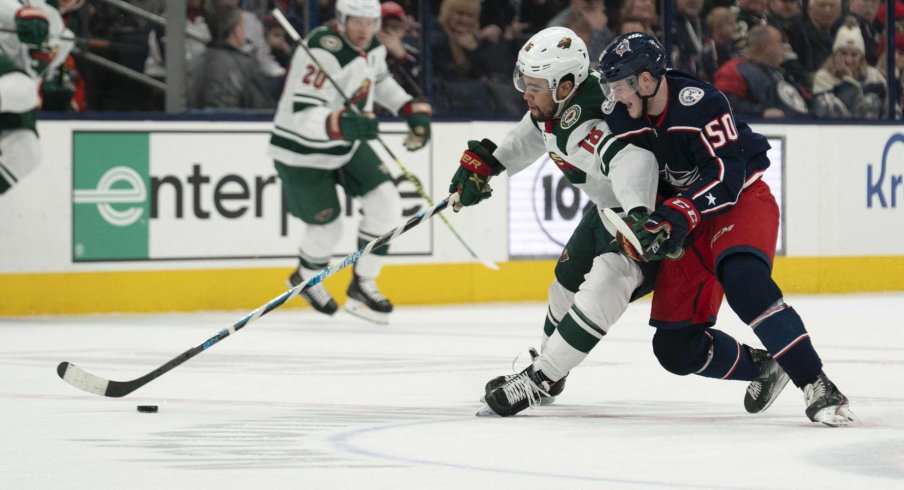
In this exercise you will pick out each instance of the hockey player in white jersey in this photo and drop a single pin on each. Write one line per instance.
(30, 47)
(594, 283)
(318, 143)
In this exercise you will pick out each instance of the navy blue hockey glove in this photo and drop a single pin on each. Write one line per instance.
(471, 180)
(663, 233)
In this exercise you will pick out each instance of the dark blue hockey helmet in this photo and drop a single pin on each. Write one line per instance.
(629, 55)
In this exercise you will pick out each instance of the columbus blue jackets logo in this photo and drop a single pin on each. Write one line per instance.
(791, 97)
(622, 48)
(690, 95)
(571, 116)
(679, 178)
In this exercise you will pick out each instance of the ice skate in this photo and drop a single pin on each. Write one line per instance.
(521, 391)
(317, 296)
(548, 399)
(768, 384)
(826, 404)
(365, 301)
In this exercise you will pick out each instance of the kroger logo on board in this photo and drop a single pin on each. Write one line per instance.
(883, 185)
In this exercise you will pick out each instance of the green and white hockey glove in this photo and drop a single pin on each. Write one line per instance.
(32, 27)
(471, 180)
(636, 215)
(351, 126)
(417, 114)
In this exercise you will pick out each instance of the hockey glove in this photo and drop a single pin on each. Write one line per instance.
(351, 126)
(622, 244)
(417, 115)
(57, 91)
(32, 27)
(663, 233)
(471, 180)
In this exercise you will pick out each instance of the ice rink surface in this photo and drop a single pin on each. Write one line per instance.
(300, 400)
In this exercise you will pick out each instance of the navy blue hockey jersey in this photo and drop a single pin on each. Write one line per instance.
(705, 154)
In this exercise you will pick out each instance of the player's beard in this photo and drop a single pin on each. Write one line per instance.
(541, 115)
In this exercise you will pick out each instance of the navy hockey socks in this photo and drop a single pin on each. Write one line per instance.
(728, 358)
(782, 331)
(704, 351)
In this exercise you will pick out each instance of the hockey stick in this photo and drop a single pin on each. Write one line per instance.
(86, 381)
(624, 229)
(85, 41)
(411, 178)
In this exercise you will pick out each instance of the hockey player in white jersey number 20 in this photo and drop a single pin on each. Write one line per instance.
(318, 143)
(594, 283)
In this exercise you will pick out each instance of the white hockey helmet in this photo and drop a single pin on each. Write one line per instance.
(357, 8)
(551, 54)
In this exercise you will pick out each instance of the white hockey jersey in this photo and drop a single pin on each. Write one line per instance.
(299, 136)
(612, 173)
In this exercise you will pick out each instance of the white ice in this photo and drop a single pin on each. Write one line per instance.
(300, 400)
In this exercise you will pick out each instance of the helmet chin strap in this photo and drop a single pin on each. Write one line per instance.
(560, 104)
(644, 99)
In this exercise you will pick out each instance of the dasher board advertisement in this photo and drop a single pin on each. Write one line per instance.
(544, 208)
(187, 195)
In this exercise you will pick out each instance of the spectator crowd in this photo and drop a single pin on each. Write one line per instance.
(773, 58)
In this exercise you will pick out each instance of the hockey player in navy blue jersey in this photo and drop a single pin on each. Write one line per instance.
(725, 219)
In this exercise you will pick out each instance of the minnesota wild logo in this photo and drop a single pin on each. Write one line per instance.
(331, 43)
(564, 257)
(528, 47)
(571, 116)
(572, 173)
(360, 96)
(564, 43)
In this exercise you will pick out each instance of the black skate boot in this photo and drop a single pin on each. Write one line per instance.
(523, 390)
(317, 295)
(366, 301)
(768, 384)
(826, 404)
(554, 391)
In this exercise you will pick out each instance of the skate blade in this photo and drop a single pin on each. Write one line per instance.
(486, 411)
(546, 400)
(360, 310)
(841, 416)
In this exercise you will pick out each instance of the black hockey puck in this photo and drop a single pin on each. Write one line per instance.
(147, 408)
